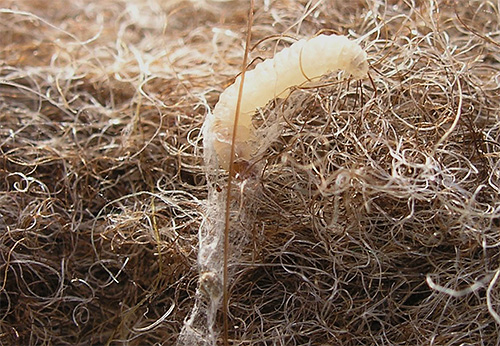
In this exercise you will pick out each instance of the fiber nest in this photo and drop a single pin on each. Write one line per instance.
(374, 215)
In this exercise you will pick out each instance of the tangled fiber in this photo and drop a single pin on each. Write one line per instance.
(372, 217)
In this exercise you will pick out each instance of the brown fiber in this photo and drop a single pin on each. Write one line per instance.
(373, 218)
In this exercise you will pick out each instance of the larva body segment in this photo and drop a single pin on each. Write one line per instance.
(304, 61)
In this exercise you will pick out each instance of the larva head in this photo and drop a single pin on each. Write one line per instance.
(359, 64)
(353, 58)
(329, 53)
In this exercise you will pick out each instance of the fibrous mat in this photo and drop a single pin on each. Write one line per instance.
(372, 217)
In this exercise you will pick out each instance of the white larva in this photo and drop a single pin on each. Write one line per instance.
(302, 62)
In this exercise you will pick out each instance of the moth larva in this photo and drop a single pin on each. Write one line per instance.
(302, 62)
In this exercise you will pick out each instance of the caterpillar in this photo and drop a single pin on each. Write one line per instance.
(302, 62)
